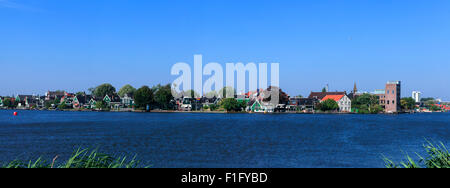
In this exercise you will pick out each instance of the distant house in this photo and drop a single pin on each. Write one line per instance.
(344, 102)
(302, 104)
(68, 99)
(127, 101)
(81, 100)
(17, 99)
(92, 103)
(24, 101)
(321, 95)
(190, 104)
(209, 101)
(31, 102)
(256, 106)
(52, 95)
(113, 101)
(259, 106)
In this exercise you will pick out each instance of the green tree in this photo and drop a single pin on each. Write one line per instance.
(62, 106)
(242, 105)
(47, 104)
(227, 91)
(231, 104)
(127, 89)
(57, 101)
(143, 97)
(163, 96)
(9, 103)
(103, 90)
(408, 103)
(366, 104)
(430, 103)
(324, 90)
(6, 102)
(435, 108)
(101, 105)
(375, 109)
(329, 105)
(427, 99)
(213, 107)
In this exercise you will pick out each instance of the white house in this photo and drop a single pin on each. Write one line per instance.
(344, 102)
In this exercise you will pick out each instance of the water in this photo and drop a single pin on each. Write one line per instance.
(223, 140)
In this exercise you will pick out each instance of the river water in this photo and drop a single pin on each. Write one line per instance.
(186, 140)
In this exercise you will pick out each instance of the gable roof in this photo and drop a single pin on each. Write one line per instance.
(321, 95)
(333, 97)
(302, 101)
(82, 99)
(113, 98)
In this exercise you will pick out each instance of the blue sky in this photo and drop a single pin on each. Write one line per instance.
(77, 44)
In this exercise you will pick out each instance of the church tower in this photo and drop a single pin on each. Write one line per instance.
(355, 89)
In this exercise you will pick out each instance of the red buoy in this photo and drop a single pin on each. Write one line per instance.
(15, 113)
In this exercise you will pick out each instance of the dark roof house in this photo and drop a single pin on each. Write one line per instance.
(321, 95)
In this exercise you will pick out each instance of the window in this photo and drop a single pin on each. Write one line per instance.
(393, 102)
(387, 102)
(387, 91)
(393, 92)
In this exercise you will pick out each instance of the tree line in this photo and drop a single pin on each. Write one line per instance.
(159, 96)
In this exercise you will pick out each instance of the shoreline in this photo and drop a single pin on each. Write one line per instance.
(218, 112)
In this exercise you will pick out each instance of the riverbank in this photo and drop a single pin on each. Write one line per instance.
(208, 112)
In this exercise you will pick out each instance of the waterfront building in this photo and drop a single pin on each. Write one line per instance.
(321, 95)
(381, 96)
(92, 103)
(191, 104)
(393, 96)
(113, 101)
(255, 106)
(81, 100)
(344, 102)
(52, 95)
(389, 98)
(416, 95)
(127, 101)
(67, 99)
(24, 101)
(302, 104)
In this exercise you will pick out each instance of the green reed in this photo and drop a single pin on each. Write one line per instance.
(81, 158)
(437, 157)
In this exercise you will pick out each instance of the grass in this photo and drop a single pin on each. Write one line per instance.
(80, 159)
(437, 157)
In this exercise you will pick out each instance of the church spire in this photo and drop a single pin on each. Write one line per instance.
(355, 89)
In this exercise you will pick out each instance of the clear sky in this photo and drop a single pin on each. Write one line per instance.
(77, 44)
